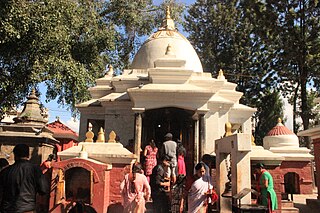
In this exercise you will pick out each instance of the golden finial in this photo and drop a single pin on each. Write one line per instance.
(101, 137)
(168, 23)
(168, 12)
(228, 128)
(89, 134)
(221, 76)
(279, 120)
(169, 50)
(110, 71)
(112, 137)
(252, 141)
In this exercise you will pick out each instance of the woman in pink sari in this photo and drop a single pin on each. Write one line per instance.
(135, 190)
(150, 152)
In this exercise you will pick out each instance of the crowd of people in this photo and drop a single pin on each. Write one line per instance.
(162, 172)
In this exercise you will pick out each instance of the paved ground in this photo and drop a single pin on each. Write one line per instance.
(300, 203)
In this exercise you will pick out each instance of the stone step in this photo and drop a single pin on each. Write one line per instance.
(289, 210)
(313, 203)
(286, 203)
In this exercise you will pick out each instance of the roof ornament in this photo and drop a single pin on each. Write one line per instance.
(89, 134)
(83, 153)
(169, 50)
(101, 137)
(252, 140)
(220, 75)
(168, 23)
(279, 120)
(228, 129)
(112, 137)
(110, 71)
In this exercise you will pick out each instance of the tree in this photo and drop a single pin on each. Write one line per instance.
(294, 28)
(267, 117)
(223, 33)
(134, 20)
(275, 43)
(59, 42)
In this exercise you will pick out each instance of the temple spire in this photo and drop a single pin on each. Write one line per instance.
(168, 23)
(31, 112)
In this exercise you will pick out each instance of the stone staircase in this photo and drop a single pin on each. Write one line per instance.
(288, 207)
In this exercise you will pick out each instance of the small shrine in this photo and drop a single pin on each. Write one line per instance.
(29, 127)
(90, 173)
(296, 168)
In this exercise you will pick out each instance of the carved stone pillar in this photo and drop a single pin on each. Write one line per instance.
(196, 157)
(202, 135)
(138, 132)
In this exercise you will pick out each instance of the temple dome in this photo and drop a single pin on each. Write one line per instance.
(280, 136)
(156, 45)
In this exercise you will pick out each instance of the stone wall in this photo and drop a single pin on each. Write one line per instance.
(303, 169)
(116, 177)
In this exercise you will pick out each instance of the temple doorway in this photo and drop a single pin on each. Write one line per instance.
(179, 122)
(291, 184)
(78, 184)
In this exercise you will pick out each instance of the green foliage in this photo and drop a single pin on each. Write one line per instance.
(294, 29)
(267, 117)
(134, 20)
(59, 42)
(260, 44)
(223, 33)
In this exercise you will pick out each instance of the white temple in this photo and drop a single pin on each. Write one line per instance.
(166, 90)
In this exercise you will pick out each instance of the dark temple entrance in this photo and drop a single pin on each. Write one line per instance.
(179, 122)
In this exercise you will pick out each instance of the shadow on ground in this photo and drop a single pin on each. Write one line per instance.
(303, 208)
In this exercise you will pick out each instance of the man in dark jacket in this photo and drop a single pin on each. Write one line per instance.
(20, 182)
(159, 184)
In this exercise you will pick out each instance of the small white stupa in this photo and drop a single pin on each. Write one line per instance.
(283, 141)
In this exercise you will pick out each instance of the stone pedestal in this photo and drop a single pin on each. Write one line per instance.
(239, 146)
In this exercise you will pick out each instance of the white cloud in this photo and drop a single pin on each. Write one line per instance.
(73, 124)
(288, 114)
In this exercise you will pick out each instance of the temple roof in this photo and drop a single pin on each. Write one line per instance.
(280, 129)
(156, 45)
(31, 113)
(283, 141)
(60, 130)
